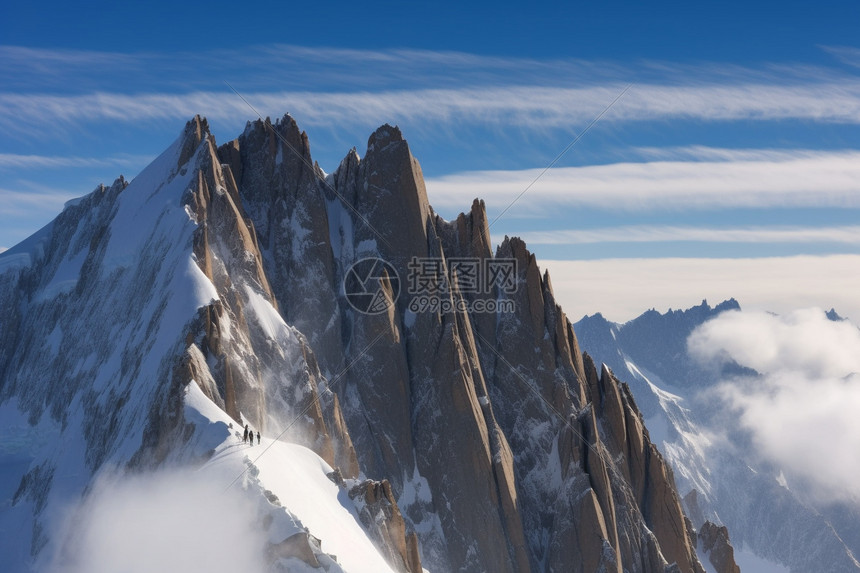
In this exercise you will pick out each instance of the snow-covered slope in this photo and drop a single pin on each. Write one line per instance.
(722, 481)
(250, 507)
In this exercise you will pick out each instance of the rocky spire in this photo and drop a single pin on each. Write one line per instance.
(714, 542)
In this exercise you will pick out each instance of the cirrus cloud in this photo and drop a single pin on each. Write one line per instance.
(532, 107)
(788, 179)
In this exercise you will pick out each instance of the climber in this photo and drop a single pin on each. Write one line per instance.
(258, 438)
(245, 437)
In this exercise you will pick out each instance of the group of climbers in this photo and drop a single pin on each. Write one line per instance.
(249, 435)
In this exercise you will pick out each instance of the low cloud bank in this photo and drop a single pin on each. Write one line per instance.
(803, 411)
(166, 521)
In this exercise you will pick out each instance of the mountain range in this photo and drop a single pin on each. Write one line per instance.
(775, 526)
(422, 400)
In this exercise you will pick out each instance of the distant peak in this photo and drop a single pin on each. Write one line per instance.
(196, 130)
(351, 158)
(384, 136)
(833, 315)
(730, 304)
(197, 127)
(283, 125)
(287, 119)
(478, 213)
(597, 317)
(514, 245)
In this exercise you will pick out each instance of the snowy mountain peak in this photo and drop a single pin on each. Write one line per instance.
(454, 429)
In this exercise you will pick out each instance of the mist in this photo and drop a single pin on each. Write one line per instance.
(803, 411)
(171, 520)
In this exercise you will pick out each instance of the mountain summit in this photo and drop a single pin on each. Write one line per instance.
(422, 401)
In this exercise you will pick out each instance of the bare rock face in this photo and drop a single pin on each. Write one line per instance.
(441, 424)
(281, 195)
(714, 541)
(379, 513)
(300, 546)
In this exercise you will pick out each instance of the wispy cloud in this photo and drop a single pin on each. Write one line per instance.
(845, 54)
(705, 153)
(659, 233)
(334, 88)
(802, 411)
(17, 161)
(17, 203)
(301, 67)
(804, 179)
(623, 288)
(525, 107)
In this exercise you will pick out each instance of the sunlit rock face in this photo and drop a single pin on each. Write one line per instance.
(494, 442)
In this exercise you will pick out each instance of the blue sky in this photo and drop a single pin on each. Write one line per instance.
(732, 163)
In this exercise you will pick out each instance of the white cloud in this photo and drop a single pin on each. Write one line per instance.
(526, 107)
(802, 412)
(27, 203)
(349, 69)
(799, 180)
(622, 289)
(706, 153)
(649, 234)
(803, 341)
(845, 54)
(335, 87)
(18, 161)
(167, 521)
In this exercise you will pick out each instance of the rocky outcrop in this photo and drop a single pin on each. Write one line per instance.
(714, 542)
(301, 546)
(380, 515)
